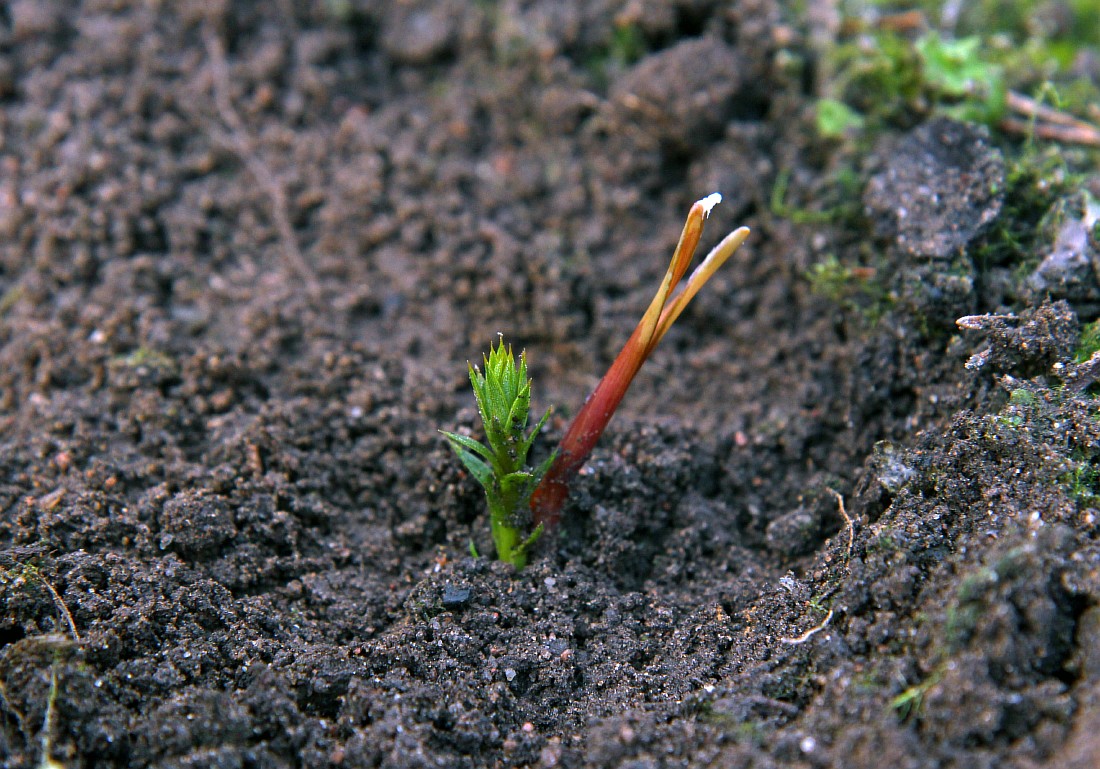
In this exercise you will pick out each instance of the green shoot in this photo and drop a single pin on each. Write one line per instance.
(503, 395)
(587, 427)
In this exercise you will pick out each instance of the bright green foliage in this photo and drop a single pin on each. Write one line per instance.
(835, 119)
(886, 77)
(503, 395)
(956, 70)
(893, 77)
(879, 78)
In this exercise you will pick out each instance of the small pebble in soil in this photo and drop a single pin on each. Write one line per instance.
(550, 755)
(557, 645)
(455, 597)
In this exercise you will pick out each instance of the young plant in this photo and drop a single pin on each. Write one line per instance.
(503, 395)
(550, 494)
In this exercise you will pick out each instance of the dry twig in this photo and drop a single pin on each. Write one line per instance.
(61, 607)
(236, 138)
(1048, 123)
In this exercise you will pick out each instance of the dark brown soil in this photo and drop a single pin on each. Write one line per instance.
(245, 252)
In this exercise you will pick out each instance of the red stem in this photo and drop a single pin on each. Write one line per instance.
(549, 496)
(585, 431)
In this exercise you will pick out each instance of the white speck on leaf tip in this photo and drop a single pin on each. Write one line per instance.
(710, 201)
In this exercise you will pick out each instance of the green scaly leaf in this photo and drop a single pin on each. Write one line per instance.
(477, 467)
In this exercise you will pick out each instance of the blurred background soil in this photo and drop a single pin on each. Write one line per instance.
(246, 249)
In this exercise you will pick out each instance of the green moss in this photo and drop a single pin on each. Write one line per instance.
(835, 119)
(626, 47)
(1083, 482)
(856, 289)
(972, 600)
(340, 10)
(1022, 397)
(734, 729)
(885, 543)
(839, 203)
(877, 76)
(628, 44)
(788, 686)
(146, 358)
(958, 75)
(1020, 20)
(748, 733)
(959, 626)
(890, 79)
(908, 704)
(1089, 342)
(867, 682)
(1035, 180)
(895, 79)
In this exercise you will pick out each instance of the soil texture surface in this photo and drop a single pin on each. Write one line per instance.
(246, 249)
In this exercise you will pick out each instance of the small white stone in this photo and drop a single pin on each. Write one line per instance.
(807, 744)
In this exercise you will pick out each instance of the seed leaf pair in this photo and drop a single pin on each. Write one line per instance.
(520, 497)
(587, 427)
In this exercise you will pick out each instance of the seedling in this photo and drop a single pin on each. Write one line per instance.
(503, 395)
(520, 496)
(552, 490)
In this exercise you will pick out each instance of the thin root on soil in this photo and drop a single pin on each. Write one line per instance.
(235, 137)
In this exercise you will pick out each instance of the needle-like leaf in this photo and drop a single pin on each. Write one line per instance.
(503, 395)
(587, 427)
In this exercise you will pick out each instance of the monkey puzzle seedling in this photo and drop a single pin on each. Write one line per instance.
(587, 427)
(503, 395)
